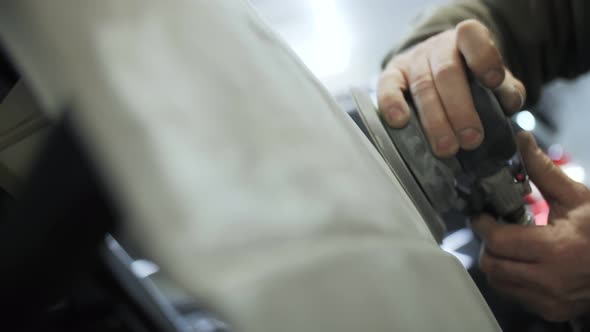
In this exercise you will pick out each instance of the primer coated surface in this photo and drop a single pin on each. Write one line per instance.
(240, 176)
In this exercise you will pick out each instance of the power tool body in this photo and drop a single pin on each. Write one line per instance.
(491, 178)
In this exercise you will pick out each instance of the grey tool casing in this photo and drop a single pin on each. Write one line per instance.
(384, 143)
(470, 182)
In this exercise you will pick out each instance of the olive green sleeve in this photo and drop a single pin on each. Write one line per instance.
(540, 40)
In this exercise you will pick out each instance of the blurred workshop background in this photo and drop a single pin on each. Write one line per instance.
(344, 41)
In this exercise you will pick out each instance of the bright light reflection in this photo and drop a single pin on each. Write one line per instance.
(328, 51)
(575, 172)
(526, 120)
(144, 268)
(455, 241)
(555, 152)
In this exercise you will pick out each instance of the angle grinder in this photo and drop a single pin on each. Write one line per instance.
(491, 178)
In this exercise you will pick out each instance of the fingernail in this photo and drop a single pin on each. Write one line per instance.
(493, 78)
(520, 98)
(471, 138)
(445, 144)
(396, 117)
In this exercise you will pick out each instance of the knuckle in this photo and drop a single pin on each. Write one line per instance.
(491, 53)
(487, 57)
(391, 73)
(562, 248)
(469, 26)
(515, 101)
(396, 62)
(423, 85)
(402, 57)
(390, 100)
(446, 70)
(557, 250)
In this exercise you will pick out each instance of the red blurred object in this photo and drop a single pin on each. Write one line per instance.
(562, 161)
(537, 204)
(540, 210)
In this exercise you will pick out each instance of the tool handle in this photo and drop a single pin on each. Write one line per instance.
(491, 158)
(499, 144)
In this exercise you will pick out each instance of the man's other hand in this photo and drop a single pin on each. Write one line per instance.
(547, 269)
(434, 74)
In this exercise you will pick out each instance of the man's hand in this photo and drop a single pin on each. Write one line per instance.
(547, 269)
(434, 73)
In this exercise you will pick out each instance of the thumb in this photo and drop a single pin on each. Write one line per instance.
(553, 183)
